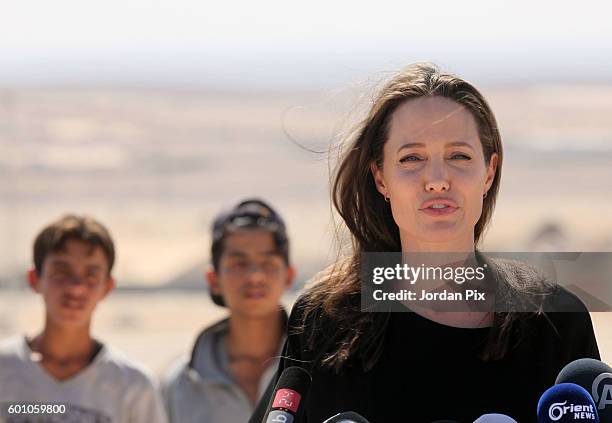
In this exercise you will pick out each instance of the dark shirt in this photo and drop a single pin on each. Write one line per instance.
(429, 371)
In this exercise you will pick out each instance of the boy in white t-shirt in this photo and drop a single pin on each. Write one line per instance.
(63, 374)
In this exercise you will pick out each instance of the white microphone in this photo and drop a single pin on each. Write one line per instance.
(494, 418)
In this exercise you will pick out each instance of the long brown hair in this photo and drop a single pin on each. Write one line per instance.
(336, 296)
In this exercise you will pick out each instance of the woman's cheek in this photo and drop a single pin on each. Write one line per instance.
(474, 209)
(399, 183)
(409, 178)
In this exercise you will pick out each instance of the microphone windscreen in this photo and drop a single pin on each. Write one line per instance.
(594, 376)
(291, 388)
(567, 402)
(495, 418)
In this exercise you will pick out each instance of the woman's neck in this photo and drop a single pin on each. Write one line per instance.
(412, 245)
(445, 254)
(457, 319)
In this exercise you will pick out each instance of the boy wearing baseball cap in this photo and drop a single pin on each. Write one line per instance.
(233, 360)
(63, 374)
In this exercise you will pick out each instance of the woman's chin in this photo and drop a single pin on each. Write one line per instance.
(449, 235)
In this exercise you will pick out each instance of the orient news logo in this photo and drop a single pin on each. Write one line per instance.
(559, 409)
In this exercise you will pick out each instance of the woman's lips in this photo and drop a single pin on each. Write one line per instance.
(445, 211)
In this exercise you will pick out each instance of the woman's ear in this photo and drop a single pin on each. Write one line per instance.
(379, 180)
(491, 169)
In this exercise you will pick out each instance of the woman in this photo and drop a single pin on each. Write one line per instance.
(422, 174)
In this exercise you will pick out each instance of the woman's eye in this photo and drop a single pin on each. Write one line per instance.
(411, 158)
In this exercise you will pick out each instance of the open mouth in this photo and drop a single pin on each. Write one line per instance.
(439, 209)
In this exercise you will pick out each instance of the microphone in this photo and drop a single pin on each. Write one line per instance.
(495, 418)
(567, 402)
(594, 376)
(289, 393)
(347, 417)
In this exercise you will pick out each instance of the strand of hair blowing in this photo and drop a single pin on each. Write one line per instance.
(334, 299)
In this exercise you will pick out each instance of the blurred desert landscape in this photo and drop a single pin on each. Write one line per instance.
(156, 165)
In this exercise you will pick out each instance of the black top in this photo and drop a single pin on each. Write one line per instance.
(429, 371)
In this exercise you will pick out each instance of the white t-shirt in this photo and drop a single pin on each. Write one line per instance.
(109, 390)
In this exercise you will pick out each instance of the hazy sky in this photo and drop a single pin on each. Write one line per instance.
(305, 43)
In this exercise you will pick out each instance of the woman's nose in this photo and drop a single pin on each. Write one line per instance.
(437, 186)
(436, 177)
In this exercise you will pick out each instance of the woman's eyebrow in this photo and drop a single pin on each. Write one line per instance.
(421, 145)
(411, 145)
(460, 144)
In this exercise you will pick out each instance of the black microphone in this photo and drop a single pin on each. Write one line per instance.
(594, 376)
(289, 393)
(347, 417)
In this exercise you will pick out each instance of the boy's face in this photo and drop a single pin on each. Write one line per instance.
(252, 275)
(72, 281)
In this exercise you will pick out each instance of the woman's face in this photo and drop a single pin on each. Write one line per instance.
(434, 174)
